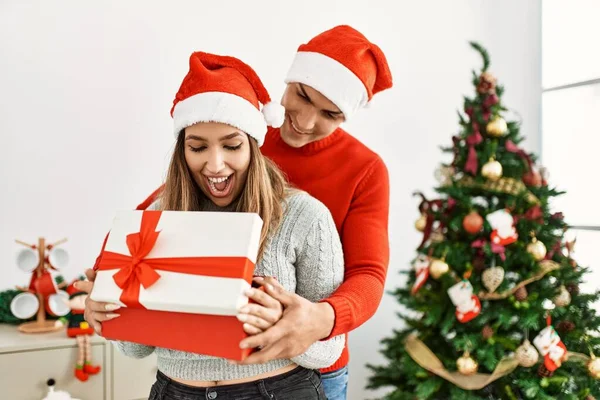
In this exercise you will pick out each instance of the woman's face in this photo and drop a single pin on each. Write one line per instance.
(218, 157)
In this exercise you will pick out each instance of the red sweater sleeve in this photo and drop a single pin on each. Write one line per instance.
(366, 252)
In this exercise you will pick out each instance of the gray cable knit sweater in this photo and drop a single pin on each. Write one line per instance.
(305, 255)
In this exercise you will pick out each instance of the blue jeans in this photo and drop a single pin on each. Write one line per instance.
(335, 384)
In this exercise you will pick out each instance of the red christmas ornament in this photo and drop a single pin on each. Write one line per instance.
(473, 222)
(491, 100)
(469, 111)
(532, 178)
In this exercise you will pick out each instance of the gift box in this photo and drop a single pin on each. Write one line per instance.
(179, 277)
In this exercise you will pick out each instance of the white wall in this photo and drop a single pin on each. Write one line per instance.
(85, 93)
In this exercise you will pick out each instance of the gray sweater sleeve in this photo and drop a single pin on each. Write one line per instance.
(319, 272)
(133, 350)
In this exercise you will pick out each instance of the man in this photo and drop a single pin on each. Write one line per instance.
(332, 76)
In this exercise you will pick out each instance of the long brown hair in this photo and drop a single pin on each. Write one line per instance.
(262, 194)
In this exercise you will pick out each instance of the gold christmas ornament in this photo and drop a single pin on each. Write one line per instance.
(492, 170)
(537, 249)
(443, 174)
(492, 278)
(563, 299)
(527, 355)
(497, 127)
(421, 222)
(437, 236)
(593, 367)
(438, 268)
(466, 364)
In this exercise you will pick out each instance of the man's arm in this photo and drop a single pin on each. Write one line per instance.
(366, 252)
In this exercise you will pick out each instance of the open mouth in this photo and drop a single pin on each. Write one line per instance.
(220, 186)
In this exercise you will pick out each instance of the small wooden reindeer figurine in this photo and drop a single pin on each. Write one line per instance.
(79, 329)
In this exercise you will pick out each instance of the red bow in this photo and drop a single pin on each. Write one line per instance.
(136, 271)
(427, 207)
(512, 148)
(473, 140)
(496, 248)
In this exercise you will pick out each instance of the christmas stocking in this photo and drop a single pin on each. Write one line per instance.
(467, 304)
(551, 347)
(502, 223)
(422, 272)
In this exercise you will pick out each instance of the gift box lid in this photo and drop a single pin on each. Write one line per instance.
(221, 248)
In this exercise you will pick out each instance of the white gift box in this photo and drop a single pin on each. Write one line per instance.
(216, 235)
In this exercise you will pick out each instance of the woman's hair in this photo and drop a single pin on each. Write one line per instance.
(262, 194)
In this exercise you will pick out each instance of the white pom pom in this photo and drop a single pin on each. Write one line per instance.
(274, 114)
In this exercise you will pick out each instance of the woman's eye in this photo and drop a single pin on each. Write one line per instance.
(197, 149)
(233, 148)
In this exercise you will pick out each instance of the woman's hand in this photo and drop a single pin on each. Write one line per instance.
(263, 313)
(96, 312)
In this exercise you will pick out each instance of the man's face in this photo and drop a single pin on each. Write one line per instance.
(309, 116)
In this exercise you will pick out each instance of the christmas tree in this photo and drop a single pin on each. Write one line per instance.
(492, 307)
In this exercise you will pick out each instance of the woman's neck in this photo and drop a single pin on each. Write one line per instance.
(207, 205)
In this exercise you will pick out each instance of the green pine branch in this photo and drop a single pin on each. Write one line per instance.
(484, 55)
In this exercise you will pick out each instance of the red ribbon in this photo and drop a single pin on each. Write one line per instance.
(473, 140)
(135, 270)
(555, 249)
(426, 207)
(512, 148)
(496, 248)
(535, 213)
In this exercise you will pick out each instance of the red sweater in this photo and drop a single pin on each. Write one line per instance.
(352, 181)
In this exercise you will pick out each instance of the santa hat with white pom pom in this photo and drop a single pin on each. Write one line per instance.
(344, 66)
(224, 89)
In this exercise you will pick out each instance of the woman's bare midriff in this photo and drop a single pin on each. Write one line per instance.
(236, 381)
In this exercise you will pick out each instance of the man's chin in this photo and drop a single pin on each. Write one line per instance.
(293, 140)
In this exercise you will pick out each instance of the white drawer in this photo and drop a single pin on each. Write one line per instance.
(132, 378)
(23, 374)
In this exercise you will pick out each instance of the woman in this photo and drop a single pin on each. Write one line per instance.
(217, 165)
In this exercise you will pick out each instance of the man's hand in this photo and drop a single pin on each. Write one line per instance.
(303, 323)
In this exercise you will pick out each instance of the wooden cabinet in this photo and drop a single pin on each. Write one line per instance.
(27, 361)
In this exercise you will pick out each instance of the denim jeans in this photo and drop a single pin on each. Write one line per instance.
(298, 384)
(335, 384)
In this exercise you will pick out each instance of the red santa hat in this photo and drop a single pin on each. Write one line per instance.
(344, 66)
(224, 89)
